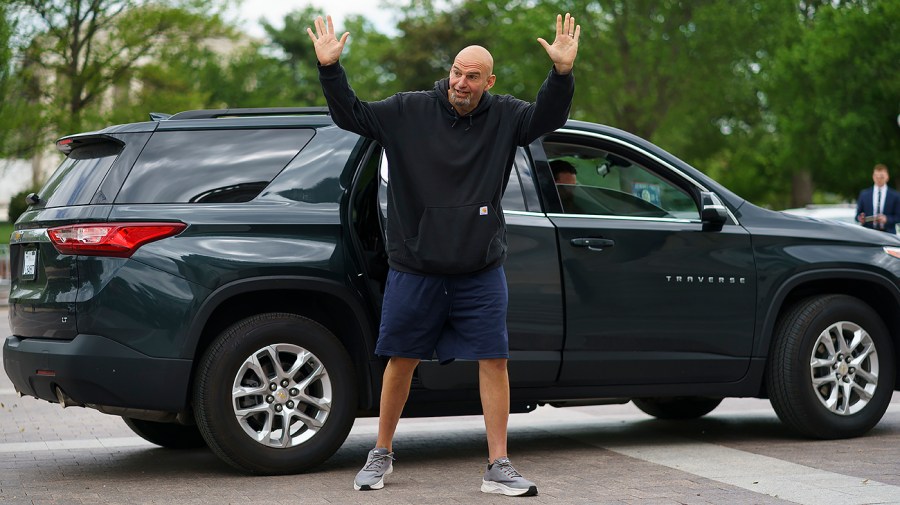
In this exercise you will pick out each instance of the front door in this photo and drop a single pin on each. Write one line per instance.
(651, 297)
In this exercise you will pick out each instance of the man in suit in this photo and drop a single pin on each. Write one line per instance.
(878, 207)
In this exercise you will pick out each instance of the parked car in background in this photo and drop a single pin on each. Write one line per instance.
(840, 212)
(215, 277)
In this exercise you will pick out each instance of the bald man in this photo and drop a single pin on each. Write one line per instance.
(449, 152)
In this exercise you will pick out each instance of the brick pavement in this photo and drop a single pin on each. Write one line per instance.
(570, 453)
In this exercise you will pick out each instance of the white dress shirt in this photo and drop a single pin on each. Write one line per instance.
(879, 209)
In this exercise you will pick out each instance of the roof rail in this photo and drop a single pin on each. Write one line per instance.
(159, 116)
(266, 111)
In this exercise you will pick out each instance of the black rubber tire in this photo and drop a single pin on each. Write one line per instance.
(681, 407)
(213, 400)
(788, 380)
(168, 435)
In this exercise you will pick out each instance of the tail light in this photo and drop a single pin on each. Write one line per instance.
(109, 239)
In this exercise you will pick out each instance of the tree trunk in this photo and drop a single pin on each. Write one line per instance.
(37, 168)
(801, 188)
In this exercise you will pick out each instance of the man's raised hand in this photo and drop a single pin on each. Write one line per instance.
(328, 47)
(565, 46)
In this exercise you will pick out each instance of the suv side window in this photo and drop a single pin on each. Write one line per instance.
(513, 198)
(210, 166)
(78, 177)
(593, 181)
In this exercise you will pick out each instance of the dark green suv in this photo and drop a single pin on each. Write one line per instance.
(215, 277)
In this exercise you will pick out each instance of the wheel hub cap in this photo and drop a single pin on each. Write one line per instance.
(281, 395)
(844, 368)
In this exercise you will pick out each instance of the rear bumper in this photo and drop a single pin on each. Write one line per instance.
(96, 371)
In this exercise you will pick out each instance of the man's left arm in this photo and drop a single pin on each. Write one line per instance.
(551, 107)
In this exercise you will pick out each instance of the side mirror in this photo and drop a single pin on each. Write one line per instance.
(712, 212)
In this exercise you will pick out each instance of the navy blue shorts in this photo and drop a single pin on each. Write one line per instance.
(455, 317)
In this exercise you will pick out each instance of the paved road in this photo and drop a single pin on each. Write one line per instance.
(739, 454)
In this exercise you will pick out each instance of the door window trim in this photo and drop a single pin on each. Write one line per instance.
(627, 218)
(643, 152)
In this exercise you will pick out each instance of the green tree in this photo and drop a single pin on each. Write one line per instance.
(684, 74)
(18, 205)
(15, 90)
(298, 56)
(86, 49)
(372, 58)
(368, 58)
(835, 92)
(7, 75)
(241, 74)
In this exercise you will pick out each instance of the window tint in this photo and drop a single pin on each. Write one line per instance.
(78, 177)
(513, 198)
(593, 181)
(210, 166)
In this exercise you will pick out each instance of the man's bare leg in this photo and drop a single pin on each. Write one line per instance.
(500, 476)
(394, 392)
(493, 383)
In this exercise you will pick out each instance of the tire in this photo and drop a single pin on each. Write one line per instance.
(684, 407)
(268, 371)
(830, 373)
(168, 435)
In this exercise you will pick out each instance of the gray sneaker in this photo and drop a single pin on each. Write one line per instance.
(502, 478)
(379, 464)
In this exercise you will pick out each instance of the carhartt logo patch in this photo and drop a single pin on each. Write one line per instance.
(483, 210)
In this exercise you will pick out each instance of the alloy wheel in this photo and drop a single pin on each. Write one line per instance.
(282, 395)
(844, 368)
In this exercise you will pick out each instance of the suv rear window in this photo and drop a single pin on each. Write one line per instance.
(210, 166)
(78, 177)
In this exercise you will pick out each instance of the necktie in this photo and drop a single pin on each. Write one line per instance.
(878, 209)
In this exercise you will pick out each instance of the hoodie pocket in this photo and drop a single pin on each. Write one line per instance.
(456, 240)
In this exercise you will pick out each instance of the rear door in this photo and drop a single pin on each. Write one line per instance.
(651, 296)
(535, 313)
(44, 282)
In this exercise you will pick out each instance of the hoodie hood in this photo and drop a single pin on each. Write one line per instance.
(442, 89)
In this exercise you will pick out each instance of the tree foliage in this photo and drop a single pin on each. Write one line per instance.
(835, 93)
(83, 50)
(782, 101)
(16, 91)
(370, 58)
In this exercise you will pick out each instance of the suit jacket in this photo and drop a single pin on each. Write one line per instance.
(891, 209)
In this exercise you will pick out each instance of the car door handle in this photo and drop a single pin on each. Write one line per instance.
(594, 244)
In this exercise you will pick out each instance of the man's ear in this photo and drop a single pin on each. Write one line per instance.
(490, 81)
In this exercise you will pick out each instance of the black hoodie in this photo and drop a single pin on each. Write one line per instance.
(447, 173)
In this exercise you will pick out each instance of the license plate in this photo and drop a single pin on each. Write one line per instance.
(30, 264)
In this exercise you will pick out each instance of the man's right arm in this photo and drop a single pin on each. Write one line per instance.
(347, 110)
